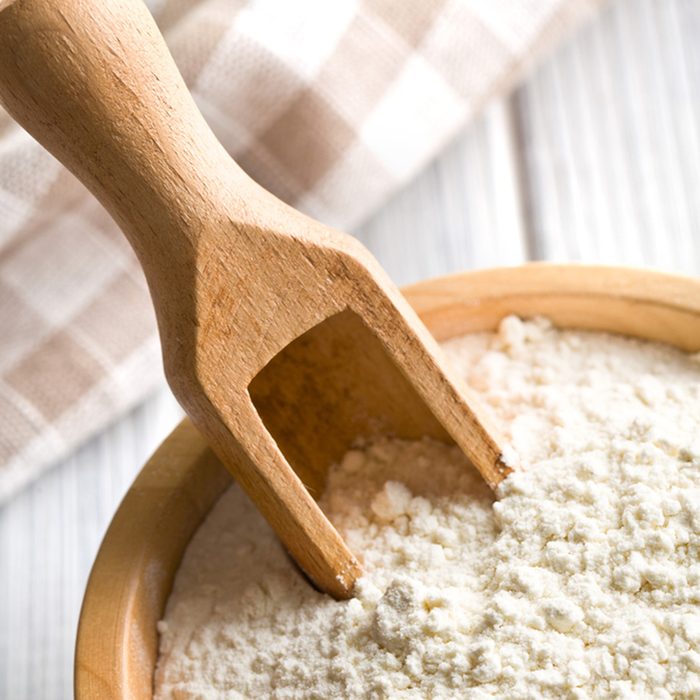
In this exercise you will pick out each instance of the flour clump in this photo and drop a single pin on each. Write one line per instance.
(582, 580)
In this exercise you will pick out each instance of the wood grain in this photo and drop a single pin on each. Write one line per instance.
(636, 302)
(451, 217)
(262, 312)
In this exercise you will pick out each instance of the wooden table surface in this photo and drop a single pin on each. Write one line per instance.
(596, 158)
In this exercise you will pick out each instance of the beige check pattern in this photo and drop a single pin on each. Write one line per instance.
(331, 105)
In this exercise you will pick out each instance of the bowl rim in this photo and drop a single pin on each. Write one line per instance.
(184, 477)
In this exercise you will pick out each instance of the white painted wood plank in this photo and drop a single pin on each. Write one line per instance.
(608, 128)
(49, 534)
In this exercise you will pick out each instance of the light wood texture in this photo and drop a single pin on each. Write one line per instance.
(129, 584)
(277, 332)
(635, 302)
(453, 216)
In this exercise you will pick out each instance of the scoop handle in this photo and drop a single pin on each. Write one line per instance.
(96, 85)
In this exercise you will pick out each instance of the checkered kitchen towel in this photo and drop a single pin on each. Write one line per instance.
(331, 104)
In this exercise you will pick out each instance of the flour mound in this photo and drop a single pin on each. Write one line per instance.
(581, 581)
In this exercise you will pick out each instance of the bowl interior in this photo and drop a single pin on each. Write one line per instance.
(134, 570)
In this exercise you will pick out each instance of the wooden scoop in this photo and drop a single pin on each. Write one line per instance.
(282, 339)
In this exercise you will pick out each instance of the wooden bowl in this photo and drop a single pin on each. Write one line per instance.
(134, 570)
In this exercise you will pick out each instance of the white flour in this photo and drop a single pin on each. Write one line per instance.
(582, 581)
